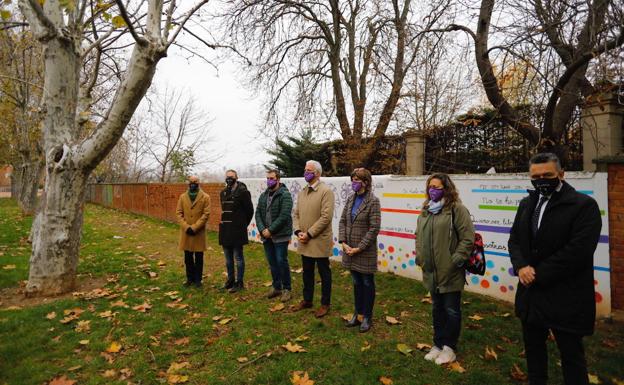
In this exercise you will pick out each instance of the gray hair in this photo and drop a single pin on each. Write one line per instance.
(545, 157)
(317, 166)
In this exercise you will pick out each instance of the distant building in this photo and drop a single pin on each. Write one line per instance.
(5, 176)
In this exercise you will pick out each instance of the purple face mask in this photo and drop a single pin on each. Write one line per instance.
(356, 186)
(436, 194)
(309, 175)
(271, 183)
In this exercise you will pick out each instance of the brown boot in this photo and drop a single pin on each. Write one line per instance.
(302, 305)
(322, 311)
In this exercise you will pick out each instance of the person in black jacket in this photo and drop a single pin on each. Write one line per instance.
(552, 244)
(236, 213)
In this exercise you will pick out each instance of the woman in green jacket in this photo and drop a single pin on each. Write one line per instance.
(444, 239)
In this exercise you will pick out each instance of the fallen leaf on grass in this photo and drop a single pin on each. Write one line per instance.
(110, 373)
(386, 380)
(278, 307)
(298, 271)
(142, 308)
(106, 314)
(119, 303)
(125, 373)
(517, 373)
(83, 326)
(63, 380)
(51, 315)
(366, 346)
(392, 320)
(456, 367)
(13, 307)
(301, 378)
(74, 368)
(347, 317)
(242, 360)
(490, 354)
(177, 379)
(294, 348)
(225, 321)
(182, 341)
(114, 347)
(423, 347)
(84, 342)
(476, 317)
(505, 315)
(177, 305)
(8, 267)
(176, 366)
(593, 379)
(302, 338)
(427, 300)
(404, 349)
(267, 284)
(152, 274)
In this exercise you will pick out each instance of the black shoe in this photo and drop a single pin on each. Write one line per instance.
(366, 325)
(228, 285)
(238, 286)
(198, 284)
(188, 283)
(354, 321)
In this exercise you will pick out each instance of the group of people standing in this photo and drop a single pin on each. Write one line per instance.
(552, 242)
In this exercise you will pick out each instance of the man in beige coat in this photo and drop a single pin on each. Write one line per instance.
(312, 222)
(192, 212)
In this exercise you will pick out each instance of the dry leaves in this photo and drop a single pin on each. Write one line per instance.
(177, 379)
(119, 303)
(242, 360)
(423, 347)
(62, 380)
(182, 341)
(427, 300)
(406, 350)
(8, 267)
(455, 366)
(115, 347)
(142, 308)
(176, 366)
(106, 314)
(392, 320)
(347, 317)
(476, 317)
(294, 348)
(110, 373)
(83, 326)
(278, 307)
(517, 373)
(267, 284)
(301, 378)
(51, 315)
(84, 342)
(386, 380)
(490, 354)
(593, 379)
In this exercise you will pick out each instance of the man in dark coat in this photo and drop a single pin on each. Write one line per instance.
(552, 245)
(236, 213)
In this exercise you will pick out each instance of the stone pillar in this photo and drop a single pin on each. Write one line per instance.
(414, 152)
(602, 122)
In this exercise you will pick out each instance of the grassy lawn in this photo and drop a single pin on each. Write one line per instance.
(140, 313)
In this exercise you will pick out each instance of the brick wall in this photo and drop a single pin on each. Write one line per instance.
(4, 178)
(616, 233)
(157, 200)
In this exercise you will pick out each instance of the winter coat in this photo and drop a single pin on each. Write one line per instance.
(562, 253)
(443, 247)
(236, 213)
(361, 232)
(314, 212)
(281, 212)
(194, 215)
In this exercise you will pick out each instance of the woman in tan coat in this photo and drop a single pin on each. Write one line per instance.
(359, 225)
(192, 212)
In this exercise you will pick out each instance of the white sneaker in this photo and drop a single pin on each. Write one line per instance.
(446, 356)
(433, 353)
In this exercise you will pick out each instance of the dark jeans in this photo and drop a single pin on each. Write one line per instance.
(363, 293)
(194, 266)
(570, 348)
(446, 313)
(277, 255)
(308, 279)
(233, 253)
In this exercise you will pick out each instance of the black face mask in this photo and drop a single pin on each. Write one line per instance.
(546, 186)
(230, 181)
(193, 187)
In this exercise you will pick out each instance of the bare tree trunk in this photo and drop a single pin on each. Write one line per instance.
(29, 174)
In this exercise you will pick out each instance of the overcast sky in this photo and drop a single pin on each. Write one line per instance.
(234, 109)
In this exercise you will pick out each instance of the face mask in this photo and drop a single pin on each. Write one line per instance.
(271, 183)
(309, 175)
(356, 186)
(436, 194)
(193, 187)
(546, 186)
(230, 181)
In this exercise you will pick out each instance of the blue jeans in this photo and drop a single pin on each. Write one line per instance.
(234, 253)
(277, 255)
(446, 313)
(363, 293)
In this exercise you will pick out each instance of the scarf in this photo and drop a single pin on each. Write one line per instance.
(193, 195)
(435, 207)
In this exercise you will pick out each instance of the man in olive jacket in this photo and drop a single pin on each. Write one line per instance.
(236, 213)
(192, 213)
(274, 222)
(313, 217)
(552, 245)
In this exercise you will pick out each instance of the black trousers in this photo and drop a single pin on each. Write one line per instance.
(308, 279)
(570, 348)
(194, 266)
